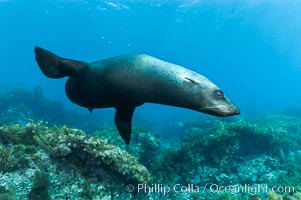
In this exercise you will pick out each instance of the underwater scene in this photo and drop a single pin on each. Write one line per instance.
(141, 99)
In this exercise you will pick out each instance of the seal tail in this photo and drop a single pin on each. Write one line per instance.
(54, 66)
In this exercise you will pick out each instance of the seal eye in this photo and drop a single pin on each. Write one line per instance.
(219, 93)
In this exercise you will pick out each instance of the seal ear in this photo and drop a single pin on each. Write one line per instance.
(54, 66)
(123, 122)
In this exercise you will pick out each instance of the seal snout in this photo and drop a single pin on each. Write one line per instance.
(236, 111)
(221, 110)
(233, 111)
(229, 110)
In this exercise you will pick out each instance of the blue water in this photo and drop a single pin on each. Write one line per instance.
(251, 49)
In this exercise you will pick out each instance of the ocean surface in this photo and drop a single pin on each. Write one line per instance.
(251, 49)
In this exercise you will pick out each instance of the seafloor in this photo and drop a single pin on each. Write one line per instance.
(43, 156)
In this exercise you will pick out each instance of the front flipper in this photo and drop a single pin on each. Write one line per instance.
(123, 121)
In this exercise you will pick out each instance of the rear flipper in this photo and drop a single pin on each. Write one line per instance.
(54, 66)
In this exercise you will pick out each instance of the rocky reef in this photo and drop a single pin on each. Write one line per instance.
(91, 158)
(20, 106)
(263, 152)
(215, 159)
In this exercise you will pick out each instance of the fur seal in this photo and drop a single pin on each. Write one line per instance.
(127, 81)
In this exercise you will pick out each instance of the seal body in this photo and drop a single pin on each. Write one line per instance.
(127, 81)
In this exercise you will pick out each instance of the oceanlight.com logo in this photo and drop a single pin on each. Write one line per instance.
(208, 188)
(250, 189)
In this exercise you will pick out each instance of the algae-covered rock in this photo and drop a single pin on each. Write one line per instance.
(232, 148)
(283, 131)
(17, 134)
(271, 135)
(144, 145)
(92, 156)
(70, 157)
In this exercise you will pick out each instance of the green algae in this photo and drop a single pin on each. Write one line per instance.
(86, 191)
(40, 188)
(5, 159)
(7, 194)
